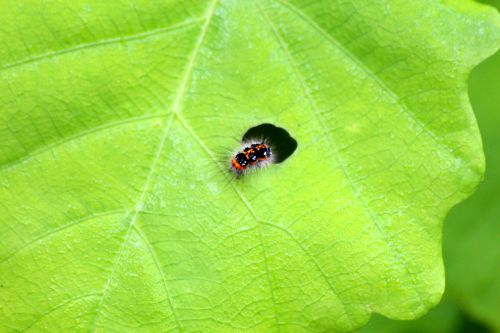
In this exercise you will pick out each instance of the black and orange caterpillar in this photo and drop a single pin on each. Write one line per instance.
(255, 155)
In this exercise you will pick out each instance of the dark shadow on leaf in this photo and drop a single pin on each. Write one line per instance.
(282, 144)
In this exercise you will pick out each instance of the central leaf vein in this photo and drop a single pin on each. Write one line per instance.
(140, 202)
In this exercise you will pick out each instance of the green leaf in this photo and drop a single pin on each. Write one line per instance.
(117, 213)
(471, 231)
(445, 318)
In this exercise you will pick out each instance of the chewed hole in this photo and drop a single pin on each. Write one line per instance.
(281, 143)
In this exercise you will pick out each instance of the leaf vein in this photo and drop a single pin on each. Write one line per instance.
(63, 304)
(373, 215)
(59, 229)
(282, 45)
(160, 271)
(134, 37)
(105, 126)
(404, 107)
(140, 202)
(247, 205)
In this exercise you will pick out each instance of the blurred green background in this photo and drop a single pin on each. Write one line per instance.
(471, 241)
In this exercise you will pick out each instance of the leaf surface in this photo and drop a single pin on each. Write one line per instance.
(117, 210)
(471, 233)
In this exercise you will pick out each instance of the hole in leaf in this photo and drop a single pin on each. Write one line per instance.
(281, 143)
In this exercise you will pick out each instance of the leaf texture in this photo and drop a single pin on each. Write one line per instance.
(117, 209)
